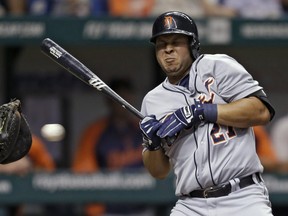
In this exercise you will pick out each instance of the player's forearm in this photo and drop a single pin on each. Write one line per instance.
(243, 113)
(157, 163)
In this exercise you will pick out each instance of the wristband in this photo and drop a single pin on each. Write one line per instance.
(210, 112)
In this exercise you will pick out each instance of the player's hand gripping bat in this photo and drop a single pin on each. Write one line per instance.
(75, 67)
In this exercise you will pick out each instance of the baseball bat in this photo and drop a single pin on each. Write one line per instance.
(75, 67)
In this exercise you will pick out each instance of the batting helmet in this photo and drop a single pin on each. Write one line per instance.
(174, 22)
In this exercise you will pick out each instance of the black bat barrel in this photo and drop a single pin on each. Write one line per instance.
(66, 60)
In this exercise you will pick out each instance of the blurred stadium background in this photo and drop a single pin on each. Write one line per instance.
(116, 47)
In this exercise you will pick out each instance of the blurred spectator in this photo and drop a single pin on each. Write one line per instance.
(265, 149)
(130, 8)
(13, 7)
(284, 4)
(267, 153)
(112, 143)
(195, 8)
(19, 167)
(99, 7)
(259, 9)
(191, 7)
(79, 8)
(279, 134)
(211, 8)
(2, 10)
(40, 7)
(256, 9)
(38, 159)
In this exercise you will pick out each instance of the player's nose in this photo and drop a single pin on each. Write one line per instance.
(168, 48)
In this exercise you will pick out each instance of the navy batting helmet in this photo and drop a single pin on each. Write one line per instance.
(174, 22)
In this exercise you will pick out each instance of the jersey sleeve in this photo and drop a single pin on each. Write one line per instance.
(233, 82)
(263, 97)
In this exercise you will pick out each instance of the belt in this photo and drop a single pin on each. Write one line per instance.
(223, 190)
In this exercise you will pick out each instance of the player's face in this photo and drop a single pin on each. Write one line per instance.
(173, 55)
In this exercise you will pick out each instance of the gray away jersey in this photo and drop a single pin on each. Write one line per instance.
(211, 154)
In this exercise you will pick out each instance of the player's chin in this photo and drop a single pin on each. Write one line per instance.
(172, 71)
(173, 75)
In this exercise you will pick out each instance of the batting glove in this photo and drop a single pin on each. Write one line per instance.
(149, 127)
(186, 117)
(181, 118)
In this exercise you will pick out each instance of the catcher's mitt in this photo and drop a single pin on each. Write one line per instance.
(15, 135)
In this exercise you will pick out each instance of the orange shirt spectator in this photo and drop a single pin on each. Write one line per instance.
(39, 155)
(38, 158)
(265, 149)
(130, 8)
(112, 143)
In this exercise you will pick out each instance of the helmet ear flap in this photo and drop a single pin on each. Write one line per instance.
(194, 47)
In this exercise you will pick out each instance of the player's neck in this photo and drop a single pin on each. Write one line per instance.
(184, 81)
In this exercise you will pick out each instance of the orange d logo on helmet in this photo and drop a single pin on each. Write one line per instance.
(169, 22)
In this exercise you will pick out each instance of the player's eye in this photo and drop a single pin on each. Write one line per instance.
(160, 45)
(179, 42)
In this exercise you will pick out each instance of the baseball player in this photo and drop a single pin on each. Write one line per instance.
(198, 122)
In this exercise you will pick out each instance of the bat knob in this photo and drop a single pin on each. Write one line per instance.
(170, 140)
